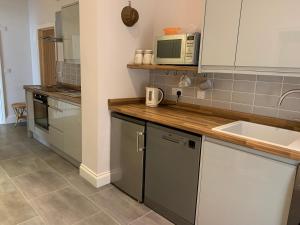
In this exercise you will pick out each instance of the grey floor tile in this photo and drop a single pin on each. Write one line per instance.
(99, 219)
(64, 207)
(13, 151)
(14, 209)
(117, 204)
(34, 221)
(40, 150)
(151, 219)
(24, 165)
(82, 185)
(6, 186)
(60, 165)
(39, 183)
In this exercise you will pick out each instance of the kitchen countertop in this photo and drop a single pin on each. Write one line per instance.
(54, 92)
(201, 120)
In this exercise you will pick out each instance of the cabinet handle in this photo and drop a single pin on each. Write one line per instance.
(138, 135)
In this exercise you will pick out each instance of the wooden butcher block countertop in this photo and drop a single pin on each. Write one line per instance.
(54, 93)
(201, 120)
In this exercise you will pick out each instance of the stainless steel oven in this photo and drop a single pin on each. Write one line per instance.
(40, 103)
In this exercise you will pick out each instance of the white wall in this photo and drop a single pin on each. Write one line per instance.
(106, 47)
(41, 14)
(15, 46)
(186, 14)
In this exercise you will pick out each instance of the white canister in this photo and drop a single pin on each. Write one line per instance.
(139, 55)
(147, 57)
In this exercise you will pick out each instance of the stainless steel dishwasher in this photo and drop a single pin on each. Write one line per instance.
(172, 173)
(127, 155)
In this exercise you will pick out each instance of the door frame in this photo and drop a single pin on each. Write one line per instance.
(40, 29)
(2, 96)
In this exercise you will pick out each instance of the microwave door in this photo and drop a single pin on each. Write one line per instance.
(170, 51)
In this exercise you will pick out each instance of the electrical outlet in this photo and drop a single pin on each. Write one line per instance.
(201, 94)
(174, 91)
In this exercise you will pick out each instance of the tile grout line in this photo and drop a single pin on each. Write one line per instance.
(146, 214)
(26, 200)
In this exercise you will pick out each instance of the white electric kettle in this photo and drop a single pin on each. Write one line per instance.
(154, 96)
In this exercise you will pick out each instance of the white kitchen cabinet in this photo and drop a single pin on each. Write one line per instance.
(269, 34)
(65, 128)
(220, 33)
(30, 111)
(71, 33)
(238, 187)
(72, 131)
(56, 138)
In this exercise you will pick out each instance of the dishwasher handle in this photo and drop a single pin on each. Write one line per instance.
(138, 135)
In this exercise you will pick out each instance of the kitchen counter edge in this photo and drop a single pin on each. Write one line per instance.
(55, 95)
(202, 120)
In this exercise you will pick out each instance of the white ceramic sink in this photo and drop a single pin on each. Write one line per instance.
(267, 134)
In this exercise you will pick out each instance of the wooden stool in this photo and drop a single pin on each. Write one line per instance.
(19, 109)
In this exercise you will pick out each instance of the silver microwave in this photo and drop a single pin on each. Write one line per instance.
(181, 49)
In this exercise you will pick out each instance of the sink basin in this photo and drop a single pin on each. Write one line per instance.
(267, 134)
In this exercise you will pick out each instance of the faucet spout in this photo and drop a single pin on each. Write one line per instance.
(286, 94)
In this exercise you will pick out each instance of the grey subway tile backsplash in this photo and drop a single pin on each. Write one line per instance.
(245, 77)
(266, 78)
(241, 107)
(221, 95)
(244, 86)
(268, 88)
(223, 84)
(223, 76)
(243, 98)
(291, 80)
(68, 73)
(238, 92)
(266, 100)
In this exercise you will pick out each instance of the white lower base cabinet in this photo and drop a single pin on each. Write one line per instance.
(238, 187)
(65, 128)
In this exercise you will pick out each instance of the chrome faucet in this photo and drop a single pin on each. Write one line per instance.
(286, 94)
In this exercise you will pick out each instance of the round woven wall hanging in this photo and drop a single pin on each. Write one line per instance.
(129, 15)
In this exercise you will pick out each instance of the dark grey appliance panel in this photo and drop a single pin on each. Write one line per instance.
(172, 173)
(294, 216)
(127, 155)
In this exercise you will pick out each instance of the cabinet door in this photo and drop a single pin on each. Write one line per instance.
(220, 32)
(30, 111)
(240, 188)
(72, 131)
(71, 32)
(56, 138)
(269, 34)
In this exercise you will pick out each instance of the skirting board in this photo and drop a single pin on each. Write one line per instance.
(97, 180)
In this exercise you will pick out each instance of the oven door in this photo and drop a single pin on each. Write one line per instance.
(170, 49)
(41, 113)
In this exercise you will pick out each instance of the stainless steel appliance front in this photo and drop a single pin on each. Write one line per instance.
(181, 49)
(172, 173)
(127, 155)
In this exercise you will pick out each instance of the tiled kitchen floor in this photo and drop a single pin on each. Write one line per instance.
(39, 187)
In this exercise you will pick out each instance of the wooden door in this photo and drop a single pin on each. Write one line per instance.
(47, 57)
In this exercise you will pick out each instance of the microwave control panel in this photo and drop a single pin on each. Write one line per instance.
(192, 48)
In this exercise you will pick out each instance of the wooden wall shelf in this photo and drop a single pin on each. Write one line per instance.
(163, 67)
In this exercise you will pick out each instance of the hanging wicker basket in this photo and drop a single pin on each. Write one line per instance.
(129, 15)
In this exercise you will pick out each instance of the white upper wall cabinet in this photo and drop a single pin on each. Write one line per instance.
(269, 34)
(71, 33)
(220, 32)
